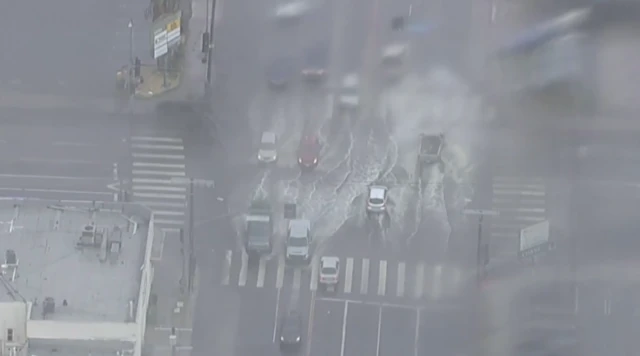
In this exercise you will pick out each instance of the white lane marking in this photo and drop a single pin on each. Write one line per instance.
(436, 283)
(379, 331)
(530, 179)
(157, 156)
(401, 274)
(158, 188)
(501, 185)
(275, 317)
(159, 165)
(315, 265)
(169, 222)
(36, 176)
(168, 213)
(63, 191)
(144, 146)
(348, 275)
(416, 336)
(156, 139)
(280, 273)
(519, 200)
(242, 278)
(382, 278)
(344, 328)
(142, 172)
(419, 282)
(161, 204)
(262, 271)
(159, 196)
(154, 181)
(364, 278)
(226, 268)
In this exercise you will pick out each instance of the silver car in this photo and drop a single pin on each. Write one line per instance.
(377, 199)
(268, 151)
(349, 97)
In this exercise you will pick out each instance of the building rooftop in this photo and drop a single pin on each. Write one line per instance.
(87, 261)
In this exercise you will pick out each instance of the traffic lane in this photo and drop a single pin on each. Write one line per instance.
(238, 57)
(359, 33)
(256, 321)
(448, 331)
(327, 327)
(398, 329)
(216, 317)
(103, 42)
(58, 185)
(362, 326)
(603, 222)
(77, 123)
(606, 322)
(57, 167)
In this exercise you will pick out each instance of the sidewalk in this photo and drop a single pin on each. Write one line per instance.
(173, 306)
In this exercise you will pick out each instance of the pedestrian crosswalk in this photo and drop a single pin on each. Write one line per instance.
(158, 164)
(520, 202)
(358, 276)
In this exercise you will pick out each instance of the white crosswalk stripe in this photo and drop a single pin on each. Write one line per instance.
(157, 161)
(358, 276)
(520, 202)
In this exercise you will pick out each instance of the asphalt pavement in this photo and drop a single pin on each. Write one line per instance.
(63, 155)
(96, 43)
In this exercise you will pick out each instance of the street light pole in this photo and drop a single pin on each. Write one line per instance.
(480, 262)
(130, 26)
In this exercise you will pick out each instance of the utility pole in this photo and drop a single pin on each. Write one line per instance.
(210, 52)
(189, 256)
(481, 260)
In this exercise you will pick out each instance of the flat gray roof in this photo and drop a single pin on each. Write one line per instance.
(97, 279)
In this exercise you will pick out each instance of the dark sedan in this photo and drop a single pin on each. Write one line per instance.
(291, 331)
(316, 63)
(280, 73)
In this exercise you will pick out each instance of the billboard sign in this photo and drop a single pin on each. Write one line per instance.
(534, 239)
(160, 47)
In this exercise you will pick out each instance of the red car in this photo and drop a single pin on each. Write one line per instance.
(309, 152)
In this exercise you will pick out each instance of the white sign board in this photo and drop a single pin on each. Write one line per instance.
(160, 47)
(534, 235)
(173, 31)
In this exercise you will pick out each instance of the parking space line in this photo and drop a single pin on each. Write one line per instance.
(158, 165)
(280, 273)
(146, 146)
(262, 270)
(344, 328)
(348, 275)
(400, 286)
(364, 278)
(143, 172)
(242, 278)
(226, 269)
(157, 156)
(159, 196)
(158, 188)
(382, 278)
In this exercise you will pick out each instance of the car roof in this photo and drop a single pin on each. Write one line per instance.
(299, 228)
(268, 137)
(377, 191)
(395, 49)
(329, 261)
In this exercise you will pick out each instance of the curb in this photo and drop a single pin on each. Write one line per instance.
(144, 96)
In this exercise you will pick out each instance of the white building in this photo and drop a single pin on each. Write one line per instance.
(74, 278)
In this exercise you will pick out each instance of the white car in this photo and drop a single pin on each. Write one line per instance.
(268, 151)
(292, 10)
(349, 97)
(394, 52)
(377, 199)
(298, 248)
(329, 272)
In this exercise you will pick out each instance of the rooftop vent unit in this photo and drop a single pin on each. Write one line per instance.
(90, 237)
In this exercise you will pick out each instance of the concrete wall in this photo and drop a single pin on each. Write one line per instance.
(13, 316)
